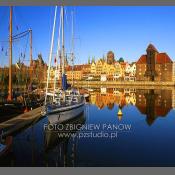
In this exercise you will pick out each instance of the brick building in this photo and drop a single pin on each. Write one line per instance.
(154, 66)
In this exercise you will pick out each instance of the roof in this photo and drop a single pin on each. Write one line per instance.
(75, 68)
(86, 66)
(161, 58)
(142, 60)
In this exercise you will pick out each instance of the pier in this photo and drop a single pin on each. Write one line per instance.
(13, 125)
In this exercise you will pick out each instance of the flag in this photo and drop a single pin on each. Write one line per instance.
(55, 60)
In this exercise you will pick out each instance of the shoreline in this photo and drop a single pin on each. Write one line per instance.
(126, 84)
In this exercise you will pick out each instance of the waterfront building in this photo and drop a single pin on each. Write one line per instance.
(86, 69)
(75, 73)
(154, 66)
(123, 69)
(111, 70)
(105, 67)
(173, 71)
(118, 70)
(133, 72)
(93, 68)
(38, 70)
(99, 67)
(130, 72)
(78, 72)
(128, 68)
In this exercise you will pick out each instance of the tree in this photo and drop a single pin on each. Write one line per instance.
(93, 60)
(89, 60)
(121, 60)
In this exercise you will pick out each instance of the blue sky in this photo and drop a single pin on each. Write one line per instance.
(125, 30)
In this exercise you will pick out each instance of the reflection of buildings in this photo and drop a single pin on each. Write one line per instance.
(111, 96)
(154, 103)
(173, 98)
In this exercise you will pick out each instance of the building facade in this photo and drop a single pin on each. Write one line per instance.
(154, 66)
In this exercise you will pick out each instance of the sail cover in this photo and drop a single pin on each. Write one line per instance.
(64, 82)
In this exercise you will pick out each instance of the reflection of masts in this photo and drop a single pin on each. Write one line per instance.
(10, 57)
(74, 150)
(33, 146)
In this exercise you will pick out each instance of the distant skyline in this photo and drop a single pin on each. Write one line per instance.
(126, 31)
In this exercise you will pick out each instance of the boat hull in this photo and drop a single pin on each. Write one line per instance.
(66, 115)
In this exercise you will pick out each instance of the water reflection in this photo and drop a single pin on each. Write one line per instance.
(36, 146)
(60, 146)
(152, 103)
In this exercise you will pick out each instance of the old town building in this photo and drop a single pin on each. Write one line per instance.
(154, 66)
(130, 72)
(38, 70)
(174, 71)
(110, 57)
(74, 72)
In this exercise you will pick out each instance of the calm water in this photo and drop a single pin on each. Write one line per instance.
(143, 136)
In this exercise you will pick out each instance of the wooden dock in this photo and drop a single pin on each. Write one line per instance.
(13, 125)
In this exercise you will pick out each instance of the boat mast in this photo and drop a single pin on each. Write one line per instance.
(72, 54)
(31, 57)
(63, 48)
(30, 30)
(10, 57)
(57, 56)
(50, 55)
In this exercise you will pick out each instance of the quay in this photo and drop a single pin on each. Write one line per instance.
(21, 121)
(125, 84)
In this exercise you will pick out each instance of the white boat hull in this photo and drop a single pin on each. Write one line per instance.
(63, 116)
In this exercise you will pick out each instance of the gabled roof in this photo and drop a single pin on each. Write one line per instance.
(75, 68)
(161, 58)
(142, 60)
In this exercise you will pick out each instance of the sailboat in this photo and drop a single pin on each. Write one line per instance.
(64, 104)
